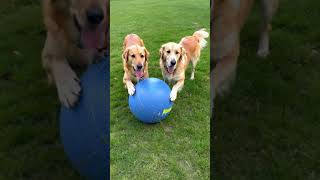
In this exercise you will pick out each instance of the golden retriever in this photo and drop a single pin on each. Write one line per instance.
(135, 61)
(228, 17)
(174, 59)
(77, 33)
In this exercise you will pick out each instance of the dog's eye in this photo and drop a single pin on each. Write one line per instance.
(168, 51)
(177, 52)
(133, 56)
(142, 56)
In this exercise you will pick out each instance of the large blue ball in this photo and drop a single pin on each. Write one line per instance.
(151, 101)
(84, 129)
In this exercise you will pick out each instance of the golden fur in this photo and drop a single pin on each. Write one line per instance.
(134, 55)
(72, 39)
(174, 59)
(228, 17)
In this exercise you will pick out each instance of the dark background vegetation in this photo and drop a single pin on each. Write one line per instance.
(29, 126)
(268, 127)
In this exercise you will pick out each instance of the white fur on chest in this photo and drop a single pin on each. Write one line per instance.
(171, 78)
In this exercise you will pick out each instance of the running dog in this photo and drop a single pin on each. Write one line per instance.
(174, 59)
(228, 17)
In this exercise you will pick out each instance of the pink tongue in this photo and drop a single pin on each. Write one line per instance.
(139, 74)
(170, 70)
(92, 38)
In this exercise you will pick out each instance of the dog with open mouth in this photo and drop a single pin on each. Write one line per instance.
(77, 34)
(175, 58)
(135, 61)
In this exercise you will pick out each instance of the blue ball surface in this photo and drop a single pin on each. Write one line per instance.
(151, 101)
(84, 129)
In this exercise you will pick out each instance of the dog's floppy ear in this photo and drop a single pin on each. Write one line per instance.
(141, 43)
(125, 55)
(147, 54)
(161, 52)
(183, 53)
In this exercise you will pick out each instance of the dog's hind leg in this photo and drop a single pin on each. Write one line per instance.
(225, 71)
(269, 8)
(194, 64)
(223, 75)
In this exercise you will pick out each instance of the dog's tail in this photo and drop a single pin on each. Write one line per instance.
(201, 34)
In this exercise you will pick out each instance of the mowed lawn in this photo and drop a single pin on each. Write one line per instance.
(268, 127)
(29, 128)
(178, 147)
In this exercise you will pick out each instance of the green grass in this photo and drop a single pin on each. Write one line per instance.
(268, 126)
(178, 147)
(29, 127)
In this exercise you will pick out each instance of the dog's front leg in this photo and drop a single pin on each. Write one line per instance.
(175, 89)
(67, 82)
(128, 84)
(130, 87)
(59, 71)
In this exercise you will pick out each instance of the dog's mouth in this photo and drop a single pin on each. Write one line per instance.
(91, 37)
(138, 73)
(170, 69)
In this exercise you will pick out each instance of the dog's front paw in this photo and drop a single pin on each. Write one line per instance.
(173, 96)
(263, 53)
(131, 89)
(68, 89)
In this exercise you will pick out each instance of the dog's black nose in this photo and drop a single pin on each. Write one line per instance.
(139, 66)
(173, 62)
(95, 15)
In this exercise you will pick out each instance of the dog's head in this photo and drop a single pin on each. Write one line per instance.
(171, 54)
(136, 58)
(90, 18)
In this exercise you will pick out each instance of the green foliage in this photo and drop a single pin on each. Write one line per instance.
(268, 126)
(29, 128)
